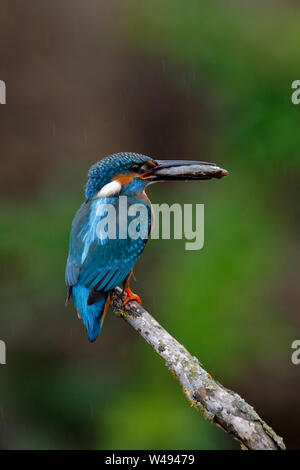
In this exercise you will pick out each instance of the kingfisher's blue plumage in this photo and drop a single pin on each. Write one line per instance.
(96, 265)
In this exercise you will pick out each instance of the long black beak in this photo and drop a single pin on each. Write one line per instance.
(178, 170)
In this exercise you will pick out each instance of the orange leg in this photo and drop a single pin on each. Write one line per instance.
(130, 296)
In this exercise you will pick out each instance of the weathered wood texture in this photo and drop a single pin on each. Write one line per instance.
(216, 403)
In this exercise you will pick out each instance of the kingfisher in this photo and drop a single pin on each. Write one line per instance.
(102, 252)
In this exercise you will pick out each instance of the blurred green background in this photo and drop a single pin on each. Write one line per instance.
(171, 79)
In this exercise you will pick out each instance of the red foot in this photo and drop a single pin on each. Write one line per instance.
(130, 296)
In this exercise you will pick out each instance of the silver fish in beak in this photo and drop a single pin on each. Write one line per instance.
(184, 170)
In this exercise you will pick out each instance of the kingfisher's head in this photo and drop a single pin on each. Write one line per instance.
(114, 173)
(129, 173)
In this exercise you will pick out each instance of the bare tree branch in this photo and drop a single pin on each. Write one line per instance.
(217, 404)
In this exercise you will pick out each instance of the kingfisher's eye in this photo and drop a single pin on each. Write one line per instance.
(135, 168)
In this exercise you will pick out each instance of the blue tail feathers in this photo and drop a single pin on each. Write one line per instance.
(91, 315)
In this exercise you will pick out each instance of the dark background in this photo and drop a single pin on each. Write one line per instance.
(171, 79)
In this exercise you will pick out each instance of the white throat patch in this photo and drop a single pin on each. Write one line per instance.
(109, 189)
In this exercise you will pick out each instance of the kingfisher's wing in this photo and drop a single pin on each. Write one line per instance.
(96, 261)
